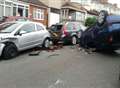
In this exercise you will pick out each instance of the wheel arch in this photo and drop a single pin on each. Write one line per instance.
(8, 43)
(48, 38)
(43, 44)
(74, 35)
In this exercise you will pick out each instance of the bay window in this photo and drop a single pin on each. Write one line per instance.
(38, 14)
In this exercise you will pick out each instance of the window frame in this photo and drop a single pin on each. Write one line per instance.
(39, 26)
(27, 26)
(38, 14)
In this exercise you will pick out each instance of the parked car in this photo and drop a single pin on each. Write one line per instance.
(69, 32)
(13, 18)
(104, 35)
(2, 19)
(16, 18)
(56, 32)
(4, 25)
(19, 36)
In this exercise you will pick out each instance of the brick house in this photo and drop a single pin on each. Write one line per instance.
(33, 9)
(38, 11)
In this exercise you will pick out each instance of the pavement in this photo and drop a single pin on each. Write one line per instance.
(68, 67)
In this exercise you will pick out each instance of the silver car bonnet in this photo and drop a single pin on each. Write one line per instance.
(4, 36)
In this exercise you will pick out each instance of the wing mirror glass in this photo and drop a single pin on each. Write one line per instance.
(22, 32)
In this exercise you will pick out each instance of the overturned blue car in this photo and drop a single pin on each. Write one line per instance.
(104, 35)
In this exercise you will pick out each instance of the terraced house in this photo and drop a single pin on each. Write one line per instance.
(13, 7)
(38, 11)
(33, 9)
(79, 10)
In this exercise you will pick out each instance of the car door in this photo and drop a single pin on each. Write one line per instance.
(27, 36)
(40, 34)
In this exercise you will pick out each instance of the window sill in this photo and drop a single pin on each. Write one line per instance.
(38, 19)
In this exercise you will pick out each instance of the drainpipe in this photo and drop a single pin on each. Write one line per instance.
(61, 14)
(4, 8)
(49, 10)
(85, 14)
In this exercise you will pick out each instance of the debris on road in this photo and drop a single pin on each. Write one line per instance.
(87, 51)
(52, 48)
(73, 47)
(55, 54)
(58, 84)
(90, 50)
(34, 53)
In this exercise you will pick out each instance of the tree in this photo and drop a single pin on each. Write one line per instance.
(90, 21)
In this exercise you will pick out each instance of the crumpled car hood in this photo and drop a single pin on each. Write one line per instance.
(6, 37)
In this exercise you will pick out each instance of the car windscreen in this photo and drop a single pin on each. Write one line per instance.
(59, 27)
(56, 27)
(73, 26)
(4, 25)
(52, 27)
(8, 28)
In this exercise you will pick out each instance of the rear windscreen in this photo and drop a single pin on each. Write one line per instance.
(73, 26)
(59, 27)
(56, 27)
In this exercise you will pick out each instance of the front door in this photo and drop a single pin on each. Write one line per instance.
(27, 38)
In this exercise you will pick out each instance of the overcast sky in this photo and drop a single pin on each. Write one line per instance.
(115, 1)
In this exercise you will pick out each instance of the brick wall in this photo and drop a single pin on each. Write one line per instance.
(31, 10)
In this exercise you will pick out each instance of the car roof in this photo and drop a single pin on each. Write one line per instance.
(27, 22)
(113, 18)
(57, 24)
(23, 22)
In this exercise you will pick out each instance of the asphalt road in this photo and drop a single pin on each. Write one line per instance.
(64, 68)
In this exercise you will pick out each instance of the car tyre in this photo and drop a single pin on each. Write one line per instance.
(46, 43)
(102, 17)
(74, 40)
(9, 51)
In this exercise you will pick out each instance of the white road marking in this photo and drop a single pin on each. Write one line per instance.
(58, 84)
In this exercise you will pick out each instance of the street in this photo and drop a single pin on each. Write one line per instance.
(65, 68)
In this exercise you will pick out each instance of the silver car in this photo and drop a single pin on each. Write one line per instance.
(19, 36)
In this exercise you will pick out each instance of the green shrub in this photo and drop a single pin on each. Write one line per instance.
(90, 21)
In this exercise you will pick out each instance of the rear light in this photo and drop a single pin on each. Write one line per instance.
(79, 34)
(65, 31)
(110, 39)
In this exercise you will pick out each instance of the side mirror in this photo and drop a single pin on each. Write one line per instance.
(22, 32)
